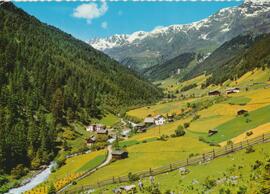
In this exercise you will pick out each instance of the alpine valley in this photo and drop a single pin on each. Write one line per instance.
(181, 109)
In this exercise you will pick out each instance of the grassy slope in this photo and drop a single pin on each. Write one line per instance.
(160, 108)
(145, 155)
(239, 124)
(78, 163)
(148, 155)
(217, 169)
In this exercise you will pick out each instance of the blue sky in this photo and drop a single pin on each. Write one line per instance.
(86, 20)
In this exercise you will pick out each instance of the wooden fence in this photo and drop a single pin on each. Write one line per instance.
(205, 157)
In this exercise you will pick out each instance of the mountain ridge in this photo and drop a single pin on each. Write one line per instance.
(143, 50)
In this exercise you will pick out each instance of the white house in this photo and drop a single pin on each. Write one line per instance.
(159, 120)
(232, 90)
(95, 127)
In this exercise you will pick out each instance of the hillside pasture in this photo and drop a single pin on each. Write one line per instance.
(79, 163)
(161, 108)
(241, 124)
(257, 131)
(238, 165)
(149, 155)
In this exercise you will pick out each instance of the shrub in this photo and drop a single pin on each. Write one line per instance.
(186, 125)
(195, 117)
(60, 161)
(179, 131)
(163, 137)
(229, 142)
(3, 180)
(153, 189)
(249, 133)
(242, 190)
(248, 120)
(213, 144)
(19, 171)
(52, 189)
(257, 164)
(132, 177)
(246, 114)
(209, 183)
(202, 139)
(250, 149)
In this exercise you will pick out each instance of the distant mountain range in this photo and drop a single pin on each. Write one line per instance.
(142, 50)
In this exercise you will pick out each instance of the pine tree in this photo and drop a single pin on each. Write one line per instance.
(57, 105)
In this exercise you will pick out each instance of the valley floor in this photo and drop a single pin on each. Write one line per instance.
(202, 113)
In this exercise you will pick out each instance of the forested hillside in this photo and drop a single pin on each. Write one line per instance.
(235, 58)
(163, 71)
(48, 79)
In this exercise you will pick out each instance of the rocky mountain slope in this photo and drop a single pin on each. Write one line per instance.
(144, 49)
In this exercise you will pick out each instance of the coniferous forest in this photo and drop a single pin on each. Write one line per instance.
(48, 79)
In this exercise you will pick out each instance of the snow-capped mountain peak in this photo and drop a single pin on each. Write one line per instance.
(162, 43)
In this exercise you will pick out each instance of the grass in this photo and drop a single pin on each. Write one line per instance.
(92, 163)
(149, 155)
(258, 131)
(239, 100)
(128, 143)
(239, 125)
(76, 163)
(238, 164)
(108, 120)
(162, 108)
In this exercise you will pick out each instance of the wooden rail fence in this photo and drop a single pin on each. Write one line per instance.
(205, 157)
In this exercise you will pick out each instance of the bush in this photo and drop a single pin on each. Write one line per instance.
(132, 177)
(186, 125)
(52, 189)
(179, 131)
(202, 139)
(250, 149)
(60, 161)
(242, 190)
(257, 164)
(195, 117)
(163, 137)
(19, 171)
(3, 180)
(153, 189)
(213, 144)
(209, 183)
(249, 133)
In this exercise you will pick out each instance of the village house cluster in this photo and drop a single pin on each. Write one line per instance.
(228, 91)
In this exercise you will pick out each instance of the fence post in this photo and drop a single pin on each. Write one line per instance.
(214, 154)
(247, 142)
(187, 161)
(225, 148)
(241, 145)
(232, 147)
(119, 179)
(263, 137)
(171, 167)
(113, 179)
(150, 171)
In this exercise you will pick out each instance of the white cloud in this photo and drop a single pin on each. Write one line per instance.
(90, 11)
(104, 25)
